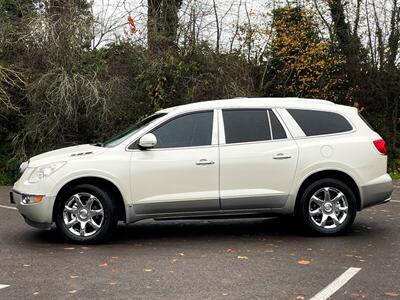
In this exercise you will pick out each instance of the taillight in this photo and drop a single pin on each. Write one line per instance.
(380, 145)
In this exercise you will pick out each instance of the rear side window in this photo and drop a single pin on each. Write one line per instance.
(189, 130)
(320, 122)
(278, 133)
(242, 126)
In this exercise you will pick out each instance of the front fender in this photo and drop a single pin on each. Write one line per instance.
(94, 173)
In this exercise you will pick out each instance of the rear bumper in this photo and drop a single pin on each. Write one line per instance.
(377, 192)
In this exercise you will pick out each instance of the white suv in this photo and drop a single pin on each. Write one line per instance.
(253, 157)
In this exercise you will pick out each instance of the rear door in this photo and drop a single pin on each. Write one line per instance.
(257, 159)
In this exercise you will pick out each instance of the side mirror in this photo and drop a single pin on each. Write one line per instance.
(148, 141)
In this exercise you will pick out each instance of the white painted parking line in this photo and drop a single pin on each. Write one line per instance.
(3, 286)
(8, 207)
(336, 284)
(395, 201)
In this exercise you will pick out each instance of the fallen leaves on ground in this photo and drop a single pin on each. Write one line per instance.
(303, 262)
(242, 257)
(392, 294)
(148, 270)
(358, 295)
(69, 248)
(72, 292)
(103, 265)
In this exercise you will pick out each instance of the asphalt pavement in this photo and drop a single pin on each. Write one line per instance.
(207, 259)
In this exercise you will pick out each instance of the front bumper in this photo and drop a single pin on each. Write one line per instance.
(39, 215)
(377, 192)
(43, 226)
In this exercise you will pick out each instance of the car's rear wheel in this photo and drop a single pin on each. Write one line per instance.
(86, 214)
(327, 207)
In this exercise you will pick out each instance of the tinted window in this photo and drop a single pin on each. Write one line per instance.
(187, 131)
(278, 133)
(320, 122)
(243, 126)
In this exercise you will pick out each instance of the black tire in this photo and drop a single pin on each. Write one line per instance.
(304, 208)
(108, 222)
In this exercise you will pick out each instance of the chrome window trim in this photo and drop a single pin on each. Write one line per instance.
(218, 135)
(253, 143)
(174, 149)
(325, 135)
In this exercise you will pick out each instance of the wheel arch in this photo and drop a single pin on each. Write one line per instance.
(100, 183)
(335, 174)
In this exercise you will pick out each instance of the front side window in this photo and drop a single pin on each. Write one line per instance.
(242, 126)
(191, 130)
(315, 123)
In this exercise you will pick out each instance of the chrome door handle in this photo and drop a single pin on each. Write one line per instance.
(204, 162)
(281, 156)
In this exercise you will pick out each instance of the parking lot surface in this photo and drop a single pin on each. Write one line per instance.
(203, 259)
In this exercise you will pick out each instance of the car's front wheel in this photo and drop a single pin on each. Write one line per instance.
(327, 207)
(86, 214)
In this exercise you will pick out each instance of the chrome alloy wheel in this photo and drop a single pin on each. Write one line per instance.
(83, 214)
(328, 208)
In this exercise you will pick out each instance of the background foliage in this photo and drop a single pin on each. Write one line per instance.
(57, 88)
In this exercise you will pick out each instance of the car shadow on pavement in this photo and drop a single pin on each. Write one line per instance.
(195, 230)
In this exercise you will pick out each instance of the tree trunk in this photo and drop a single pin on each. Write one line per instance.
(393, 43)
(395, 118)
(348, 43)
(162, 24)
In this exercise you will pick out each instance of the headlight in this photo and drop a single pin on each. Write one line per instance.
(44, 171)
(23, 166)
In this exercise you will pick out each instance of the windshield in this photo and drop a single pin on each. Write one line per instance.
(119, 138)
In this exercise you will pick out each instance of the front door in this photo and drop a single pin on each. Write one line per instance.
(181, 174)
(258, 160)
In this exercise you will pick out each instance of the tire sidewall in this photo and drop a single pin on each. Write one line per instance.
(306, 198)
(109, 209)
